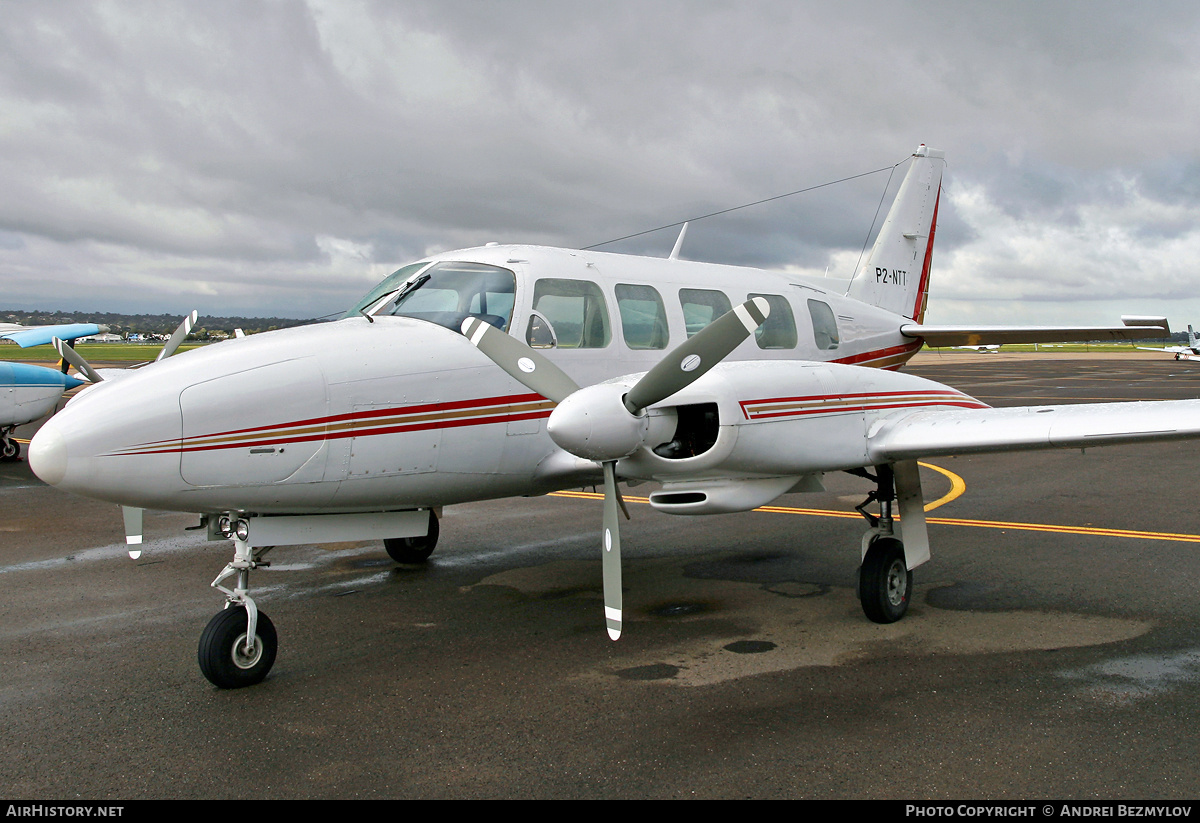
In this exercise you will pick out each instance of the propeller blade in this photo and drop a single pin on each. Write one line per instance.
(133, 530)
(526, 365)
(181, 331)
(73, 357)
(611, 551)
(688, 361)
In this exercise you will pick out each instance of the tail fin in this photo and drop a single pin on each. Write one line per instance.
(895, 276)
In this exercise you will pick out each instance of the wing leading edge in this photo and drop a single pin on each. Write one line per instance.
(977, 431)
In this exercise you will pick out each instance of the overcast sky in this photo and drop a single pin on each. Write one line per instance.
(278, 158)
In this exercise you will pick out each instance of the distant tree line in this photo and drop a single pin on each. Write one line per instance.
(125, 324)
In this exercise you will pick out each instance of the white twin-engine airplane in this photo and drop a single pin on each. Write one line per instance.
(518, 370)
(1189, 352)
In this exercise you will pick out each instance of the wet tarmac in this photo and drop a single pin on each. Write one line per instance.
(1051, 650)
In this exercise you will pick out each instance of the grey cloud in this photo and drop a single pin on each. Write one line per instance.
(216, 143)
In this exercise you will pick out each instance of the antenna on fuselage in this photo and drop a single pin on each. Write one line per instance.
(674, 255)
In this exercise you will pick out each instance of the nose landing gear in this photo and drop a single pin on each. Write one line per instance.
(237, 647)
(228, 657)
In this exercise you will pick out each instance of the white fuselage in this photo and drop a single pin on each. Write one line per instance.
(362, 415)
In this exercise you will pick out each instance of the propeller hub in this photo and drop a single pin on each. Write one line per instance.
(594, 424)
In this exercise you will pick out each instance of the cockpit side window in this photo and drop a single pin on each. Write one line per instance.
(643, 317)
(825, 331)
(388, 286)
(447, 293)
(575, 310)
(779, 332)
(701, 307)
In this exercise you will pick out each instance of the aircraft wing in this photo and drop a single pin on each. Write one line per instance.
(1133, 328)
(40, 335)
(975, 431)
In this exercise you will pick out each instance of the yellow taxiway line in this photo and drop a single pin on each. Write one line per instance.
(957, 487)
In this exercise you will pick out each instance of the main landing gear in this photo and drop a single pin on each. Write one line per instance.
(885, 579)
(414, 549)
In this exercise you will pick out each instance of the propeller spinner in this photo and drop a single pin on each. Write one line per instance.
(603, 422)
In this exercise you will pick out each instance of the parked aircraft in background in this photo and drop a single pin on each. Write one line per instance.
(503, 371)
(29, 392)
(1189, 352)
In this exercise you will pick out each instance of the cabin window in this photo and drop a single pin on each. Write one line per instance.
(825, 330)
(575, 312)
(448, 293)
(643, 317)
(779, 332)
(701, 307)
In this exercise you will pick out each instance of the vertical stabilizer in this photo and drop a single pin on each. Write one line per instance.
(895, 276)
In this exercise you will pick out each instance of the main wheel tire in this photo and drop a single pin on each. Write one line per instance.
(414, 549)
(10, 451)
(884, 581)
(222, 649)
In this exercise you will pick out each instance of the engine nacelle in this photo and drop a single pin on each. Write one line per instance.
(744, 428)
(725, 496)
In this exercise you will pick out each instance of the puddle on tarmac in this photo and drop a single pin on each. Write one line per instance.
(727, 630)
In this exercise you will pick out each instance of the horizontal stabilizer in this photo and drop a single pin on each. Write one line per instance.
(1133, 328)
(976, 431)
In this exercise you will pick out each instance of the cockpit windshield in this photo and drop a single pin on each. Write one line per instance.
(387, 287)
(444, 293)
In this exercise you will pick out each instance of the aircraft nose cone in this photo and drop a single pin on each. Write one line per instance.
(48, 455)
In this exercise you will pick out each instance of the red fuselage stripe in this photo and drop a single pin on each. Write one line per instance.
(879, 354)
(178, 447)
(364, 415)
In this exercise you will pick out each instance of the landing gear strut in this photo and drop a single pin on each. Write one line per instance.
(885, 577)
(238, 646)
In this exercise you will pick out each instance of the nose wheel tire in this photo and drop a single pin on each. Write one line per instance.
(223, 656)
(414, 549)
(10, 451)
(884, 582)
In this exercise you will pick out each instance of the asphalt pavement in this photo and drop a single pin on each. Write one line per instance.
(1051, 650)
